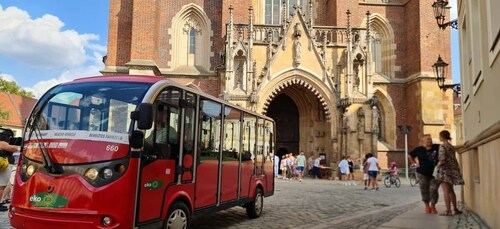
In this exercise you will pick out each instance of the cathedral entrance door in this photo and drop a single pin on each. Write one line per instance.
(285, 113)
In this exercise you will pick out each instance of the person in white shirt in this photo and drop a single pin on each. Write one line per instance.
(344, 170)
(373, 170)
(316, 170)
(310, 163)
(276, 165)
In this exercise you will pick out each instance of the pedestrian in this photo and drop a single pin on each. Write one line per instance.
(344, 170)
(289, 166)
(316, 168)
(424, 158)
(276, 165)
(393, 170)
(448, 173)
(350, 177)
(301, 162)
(283, 166)
(373, 170)
(366, 178)
(6, 151)
(310, 164)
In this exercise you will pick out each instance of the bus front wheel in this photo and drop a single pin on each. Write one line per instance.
(254, 208)
(178, 216)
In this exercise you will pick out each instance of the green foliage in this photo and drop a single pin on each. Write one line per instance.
(12, 87)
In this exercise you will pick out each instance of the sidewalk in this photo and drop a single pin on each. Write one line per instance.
(417, 219)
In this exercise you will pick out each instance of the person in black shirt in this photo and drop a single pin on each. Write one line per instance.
(425, 159)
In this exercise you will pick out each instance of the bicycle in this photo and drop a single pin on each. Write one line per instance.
(390, 180)
(413, 176)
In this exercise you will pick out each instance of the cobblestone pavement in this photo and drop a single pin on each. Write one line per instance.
(317, 204)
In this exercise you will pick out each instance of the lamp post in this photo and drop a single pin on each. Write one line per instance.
(440, 69)
(406, 130)
(440, 7)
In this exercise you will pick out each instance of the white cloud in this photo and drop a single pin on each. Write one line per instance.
(91, 69)
(453, 10)
(42, 42)
(8, 77)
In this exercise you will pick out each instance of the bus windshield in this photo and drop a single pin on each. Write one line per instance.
(94, 111)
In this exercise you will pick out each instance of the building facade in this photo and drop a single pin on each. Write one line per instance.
(337, 76)
(479, 35)
(14, 111)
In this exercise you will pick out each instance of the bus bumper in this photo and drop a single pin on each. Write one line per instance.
(28, 218)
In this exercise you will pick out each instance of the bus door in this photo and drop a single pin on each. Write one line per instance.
(248, 156)
(160, 156)
(207, 171)
(269, 154)
(231, 154)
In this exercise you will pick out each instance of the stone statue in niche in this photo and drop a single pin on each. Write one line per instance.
(345, 121)
(296, 45)
(358, 63)
(375, 117)
(361, 121)
(238, 78)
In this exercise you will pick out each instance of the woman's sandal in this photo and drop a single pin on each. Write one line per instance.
(446, 213)
(457, 212)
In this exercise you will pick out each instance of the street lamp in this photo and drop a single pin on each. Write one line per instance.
(440, 69)
(406, 130)
(440, 7)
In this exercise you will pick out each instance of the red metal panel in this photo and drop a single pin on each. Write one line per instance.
(229, 181)
(206, 183)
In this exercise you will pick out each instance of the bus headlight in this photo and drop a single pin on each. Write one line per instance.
(107, 173)
(30, 170)
(106, 221)
(23, 168)
(91, 173)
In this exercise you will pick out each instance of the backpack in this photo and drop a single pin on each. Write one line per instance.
(6, 158)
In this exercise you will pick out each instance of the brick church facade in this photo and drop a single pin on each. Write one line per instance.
(337, 76)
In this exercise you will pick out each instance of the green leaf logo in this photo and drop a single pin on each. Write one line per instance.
(48, 200)
(153, 185)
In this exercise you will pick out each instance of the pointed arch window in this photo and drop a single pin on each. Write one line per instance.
(192, 41)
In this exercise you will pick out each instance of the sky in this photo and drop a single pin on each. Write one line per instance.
(46, 42)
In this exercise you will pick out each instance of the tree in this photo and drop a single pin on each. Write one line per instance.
(12, 87)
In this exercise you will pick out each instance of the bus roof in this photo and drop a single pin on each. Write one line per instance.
(153, 80)
(120, 78)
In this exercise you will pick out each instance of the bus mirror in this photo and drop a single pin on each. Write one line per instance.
(144, 116)
(137, 139)
(16, 141)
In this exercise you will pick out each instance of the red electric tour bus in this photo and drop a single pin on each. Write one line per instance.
(138, 152)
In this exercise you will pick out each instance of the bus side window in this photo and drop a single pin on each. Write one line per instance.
(163, 139)
(232, 133)
(210, 130)
(249, 137)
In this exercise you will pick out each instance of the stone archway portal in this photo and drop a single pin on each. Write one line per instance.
(285, 113)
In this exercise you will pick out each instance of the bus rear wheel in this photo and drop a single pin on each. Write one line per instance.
(254, 208)
(178, 216)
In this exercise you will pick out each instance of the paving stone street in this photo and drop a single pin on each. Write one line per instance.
(317, 204)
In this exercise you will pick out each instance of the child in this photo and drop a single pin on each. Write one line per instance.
(394, 170)
(283, 166)
(366, 178)
(344, 170)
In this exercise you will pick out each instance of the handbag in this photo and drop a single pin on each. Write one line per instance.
(435, 172)
(4, 163)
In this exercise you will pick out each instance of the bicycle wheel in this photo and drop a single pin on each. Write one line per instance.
(397, 182)
(387, 181)
(413, 180)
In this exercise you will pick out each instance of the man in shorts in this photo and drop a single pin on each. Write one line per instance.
(425, 159)
(301, 163)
